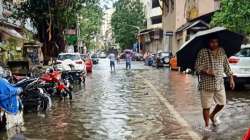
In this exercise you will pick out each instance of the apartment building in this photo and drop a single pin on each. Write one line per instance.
(183, 18)
(106, 29)
(151, 37)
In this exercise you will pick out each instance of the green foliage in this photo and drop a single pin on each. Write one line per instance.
(128, 12)
(51, 18)
(90, 23)
(234, 15)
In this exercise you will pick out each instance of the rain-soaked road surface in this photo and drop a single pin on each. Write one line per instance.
(143, 103)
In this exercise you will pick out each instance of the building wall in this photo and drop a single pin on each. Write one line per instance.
(182, 12)
(106, 29)
(154, 46)
(207, 6)
(150, 12)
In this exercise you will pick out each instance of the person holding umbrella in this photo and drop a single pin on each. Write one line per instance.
(211, 64)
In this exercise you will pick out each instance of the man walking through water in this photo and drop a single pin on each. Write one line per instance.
(211, 64)
(128, 59)
(112, 61)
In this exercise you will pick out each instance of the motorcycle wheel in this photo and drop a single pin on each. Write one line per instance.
(45, 104)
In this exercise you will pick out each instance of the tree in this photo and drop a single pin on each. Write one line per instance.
(51, 18)
(90, 23)
(128, 15)
(234, 15)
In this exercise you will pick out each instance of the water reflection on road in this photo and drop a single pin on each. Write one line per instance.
(120, 105)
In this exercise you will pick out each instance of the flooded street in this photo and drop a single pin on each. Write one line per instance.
(142, 103)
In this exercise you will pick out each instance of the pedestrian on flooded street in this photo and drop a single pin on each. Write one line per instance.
(128, 59)
(118, 58)
(112, 60)
(211, 64)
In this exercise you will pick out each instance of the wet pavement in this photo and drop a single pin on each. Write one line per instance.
(143, 103)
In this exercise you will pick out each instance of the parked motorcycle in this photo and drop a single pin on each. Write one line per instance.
(55, 85)
(69, 69)
(34, 97)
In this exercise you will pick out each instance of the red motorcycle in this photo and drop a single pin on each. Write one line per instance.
(55, 85)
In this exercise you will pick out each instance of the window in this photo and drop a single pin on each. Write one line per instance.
(244, 53)
(155, 3)
(156, 20)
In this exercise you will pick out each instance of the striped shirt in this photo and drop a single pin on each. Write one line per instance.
(206, 59)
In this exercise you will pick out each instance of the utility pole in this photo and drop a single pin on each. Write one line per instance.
(78, 32)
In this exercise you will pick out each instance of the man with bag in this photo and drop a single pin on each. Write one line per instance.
(211, 64)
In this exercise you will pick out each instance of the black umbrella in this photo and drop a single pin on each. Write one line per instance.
(187, 54)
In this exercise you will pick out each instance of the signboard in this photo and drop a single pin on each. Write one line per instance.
(70, 31)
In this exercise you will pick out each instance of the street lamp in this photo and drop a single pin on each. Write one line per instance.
(138, 35)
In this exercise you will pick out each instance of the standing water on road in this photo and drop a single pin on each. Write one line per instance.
(126, 105)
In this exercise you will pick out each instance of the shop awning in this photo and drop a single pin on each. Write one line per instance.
(11, 32)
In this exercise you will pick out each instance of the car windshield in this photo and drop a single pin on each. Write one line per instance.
(94, 56)
(68, 56)
(243, 53)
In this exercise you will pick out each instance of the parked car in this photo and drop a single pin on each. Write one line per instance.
(103, 55)
(161, 59)
(72, 59)
(88, 62)
(95, 59)
(165, 57)
(71, 63)
(240, 64)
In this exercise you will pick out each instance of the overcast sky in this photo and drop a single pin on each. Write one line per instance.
(106, 4)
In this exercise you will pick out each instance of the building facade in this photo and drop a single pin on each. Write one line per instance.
(151, 37)
(106, 34)
(12, 33)
(179, 17)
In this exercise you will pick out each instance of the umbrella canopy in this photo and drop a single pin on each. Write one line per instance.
(229, 41)
(127, 51)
